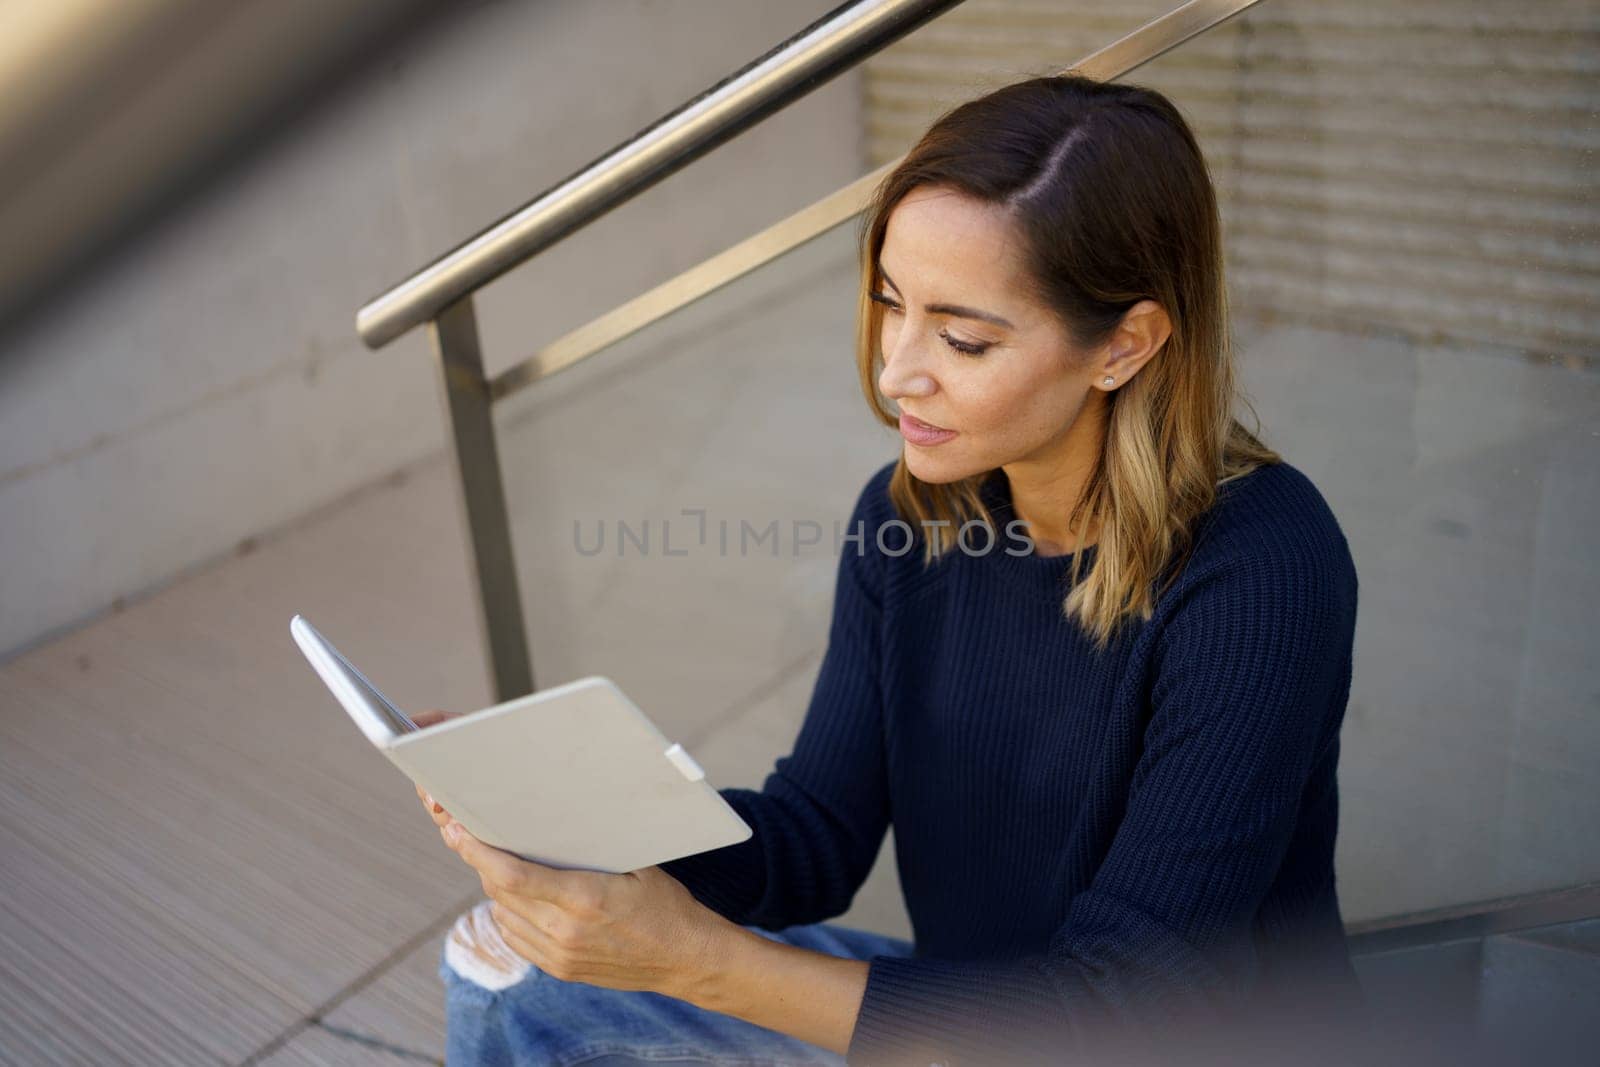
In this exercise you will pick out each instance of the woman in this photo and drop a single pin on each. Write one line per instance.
(1098, 696)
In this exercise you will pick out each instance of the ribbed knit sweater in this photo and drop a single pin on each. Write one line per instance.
(1080, 836)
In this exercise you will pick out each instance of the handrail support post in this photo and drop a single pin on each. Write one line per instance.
(481, 496)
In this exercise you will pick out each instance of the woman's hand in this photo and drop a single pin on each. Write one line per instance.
(641, 930)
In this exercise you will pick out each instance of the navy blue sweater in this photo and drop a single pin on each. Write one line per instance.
(1080, 836)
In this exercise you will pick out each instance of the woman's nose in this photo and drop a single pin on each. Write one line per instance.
(903, 374)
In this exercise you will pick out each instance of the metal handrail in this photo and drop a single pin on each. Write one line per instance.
(827, 47)
(1150, 41)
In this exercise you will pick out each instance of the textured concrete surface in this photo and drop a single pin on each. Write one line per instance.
(206, 384)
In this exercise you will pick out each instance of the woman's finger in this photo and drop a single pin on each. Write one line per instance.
(435, 810)
(526, 926)
(428, 801)
(535, 952)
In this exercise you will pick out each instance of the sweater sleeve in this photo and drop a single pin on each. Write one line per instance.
(1250, 677)
(820, 817)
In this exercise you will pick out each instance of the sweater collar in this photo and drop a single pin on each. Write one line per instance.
(1044, 577)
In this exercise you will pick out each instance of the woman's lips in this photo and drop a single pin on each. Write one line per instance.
(920, 433)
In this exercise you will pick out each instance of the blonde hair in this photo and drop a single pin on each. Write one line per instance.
(1109, 191)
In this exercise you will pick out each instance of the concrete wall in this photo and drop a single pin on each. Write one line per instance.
(1412, 237)
(1427, 166)
(206, 384)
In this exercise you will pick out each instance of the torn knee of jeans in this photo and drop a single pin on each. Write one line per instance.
(476, 951)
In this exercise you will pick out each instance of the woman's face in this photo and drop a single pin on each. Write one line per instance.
(966, 349)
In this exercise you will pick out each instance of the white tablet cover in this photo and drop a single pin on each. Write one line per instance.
(574, 776)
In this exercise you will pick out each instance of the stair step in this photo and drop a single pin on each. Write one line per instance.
(1424, 986)
(1538, 992)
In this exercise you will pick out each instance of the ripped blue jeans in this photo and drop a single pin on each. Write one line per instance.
(540, 1020)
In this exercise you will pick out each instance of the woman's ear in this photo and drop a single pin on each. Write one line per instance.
(1143, 330)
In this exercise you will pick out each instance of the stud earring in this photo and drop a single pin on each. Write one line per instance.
(1109, 380)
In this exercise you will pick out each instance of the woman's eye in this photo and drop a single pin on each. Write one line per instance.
(966, 348)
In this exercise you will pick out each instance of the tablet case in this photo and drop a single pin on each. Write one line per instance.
(574, 776)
